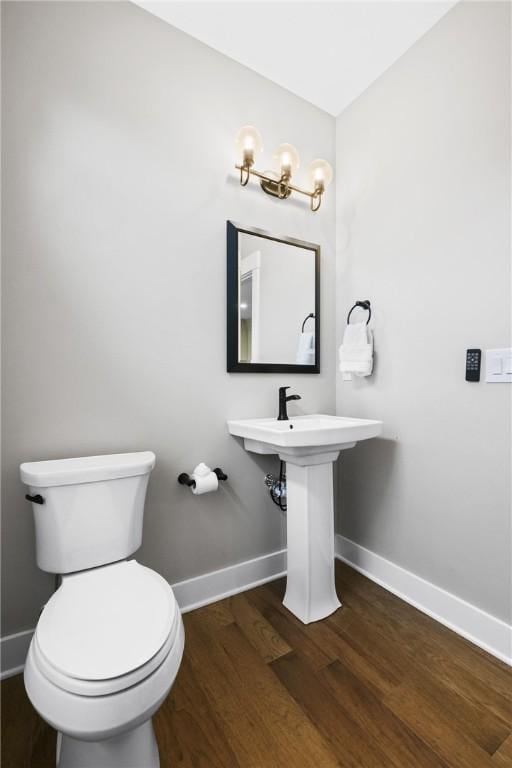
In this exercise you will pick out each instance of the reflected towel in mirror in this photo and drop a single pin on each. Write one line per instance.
(306, 349)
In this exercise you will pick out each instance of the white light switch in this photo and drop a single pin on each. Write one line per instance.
(498, 365)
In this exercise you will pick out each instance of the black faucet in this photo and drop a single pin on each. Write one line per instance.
(283, 399)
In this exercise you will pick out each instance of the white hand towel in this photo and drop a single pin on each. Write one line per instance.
(356, 352)
(306, 349)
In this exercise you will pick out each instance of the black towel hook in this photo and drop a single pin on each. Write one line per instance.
(311, 314)
(363, 305)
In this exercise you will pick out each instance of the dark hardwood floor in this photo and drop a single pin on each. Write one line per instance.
(376, 685)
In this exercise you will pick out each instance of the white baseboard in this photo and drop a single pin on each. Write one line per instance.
(201, 590)
(13, 651)
(190, 594)
(477, 626)
(481, 628)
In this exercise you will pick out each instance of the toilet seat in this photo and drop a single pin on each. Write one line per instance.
(110, 685)
(95, 718)
(106, 629)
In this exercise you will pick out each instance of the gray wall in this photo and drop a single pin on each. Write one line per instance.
(423, 230)
(117, 183)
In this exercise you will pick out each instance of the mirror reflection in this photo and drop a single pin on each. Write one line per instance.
(276, 301)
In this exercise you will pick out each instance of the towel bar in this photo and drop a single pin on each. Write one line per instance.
(363, 305)
(311, 314)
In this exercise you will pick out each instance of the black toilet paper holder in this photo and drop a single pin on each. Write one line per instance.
(185, 479)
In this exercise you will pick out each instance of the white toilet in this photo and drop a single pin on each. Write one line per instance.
(109, 642)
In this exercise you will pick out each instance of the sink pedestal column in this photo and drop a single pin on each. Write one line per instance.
(310, 589)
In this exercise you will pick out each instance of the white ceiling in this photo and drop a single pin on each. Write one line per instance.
(326, 52)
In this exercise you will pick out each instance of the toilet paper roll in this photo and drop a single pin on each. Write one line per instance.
(205, 480)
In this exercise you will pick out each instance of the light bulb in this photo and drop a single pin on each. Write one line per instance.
(320, 173)
(286, 160)
(248, 143)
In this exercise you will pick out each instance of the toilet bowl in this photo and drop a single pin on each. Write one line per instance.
(104, 655)
(109, 642)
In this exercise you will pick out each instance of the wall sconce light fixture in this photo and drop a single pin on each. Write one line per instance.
(286, 161)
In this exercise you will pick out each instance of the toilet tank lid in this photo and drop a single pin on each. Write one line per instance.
(87, 469)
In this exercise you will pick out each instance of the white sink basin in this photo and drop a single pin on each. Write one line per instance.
(303, 435)
(309, 445)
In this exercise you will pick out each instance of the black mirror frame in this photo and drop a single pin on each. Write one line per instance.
(233, 364)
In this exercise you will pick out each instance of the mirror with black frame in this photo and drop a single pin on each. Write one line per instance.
(273, 302)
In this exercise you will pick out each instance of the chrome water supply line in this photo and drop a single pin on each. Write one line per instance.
(277, 487)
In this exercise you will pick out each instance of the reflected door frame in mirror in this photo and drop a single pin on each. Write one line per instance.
(233, 301)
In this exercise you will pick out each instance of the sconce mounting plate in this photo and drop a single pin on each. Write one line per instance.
(275, 188)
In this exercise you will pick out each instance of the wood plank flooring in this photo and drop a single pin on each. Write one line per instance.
(376, 685)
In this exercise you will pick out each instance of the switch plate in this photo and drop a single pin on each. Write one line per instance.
(498, 365)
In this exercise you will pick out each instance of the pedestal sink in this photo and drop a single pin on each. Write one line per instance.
(309, 445)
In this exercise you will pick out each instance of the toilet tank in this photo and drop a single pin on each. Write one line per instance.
(92, 508)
